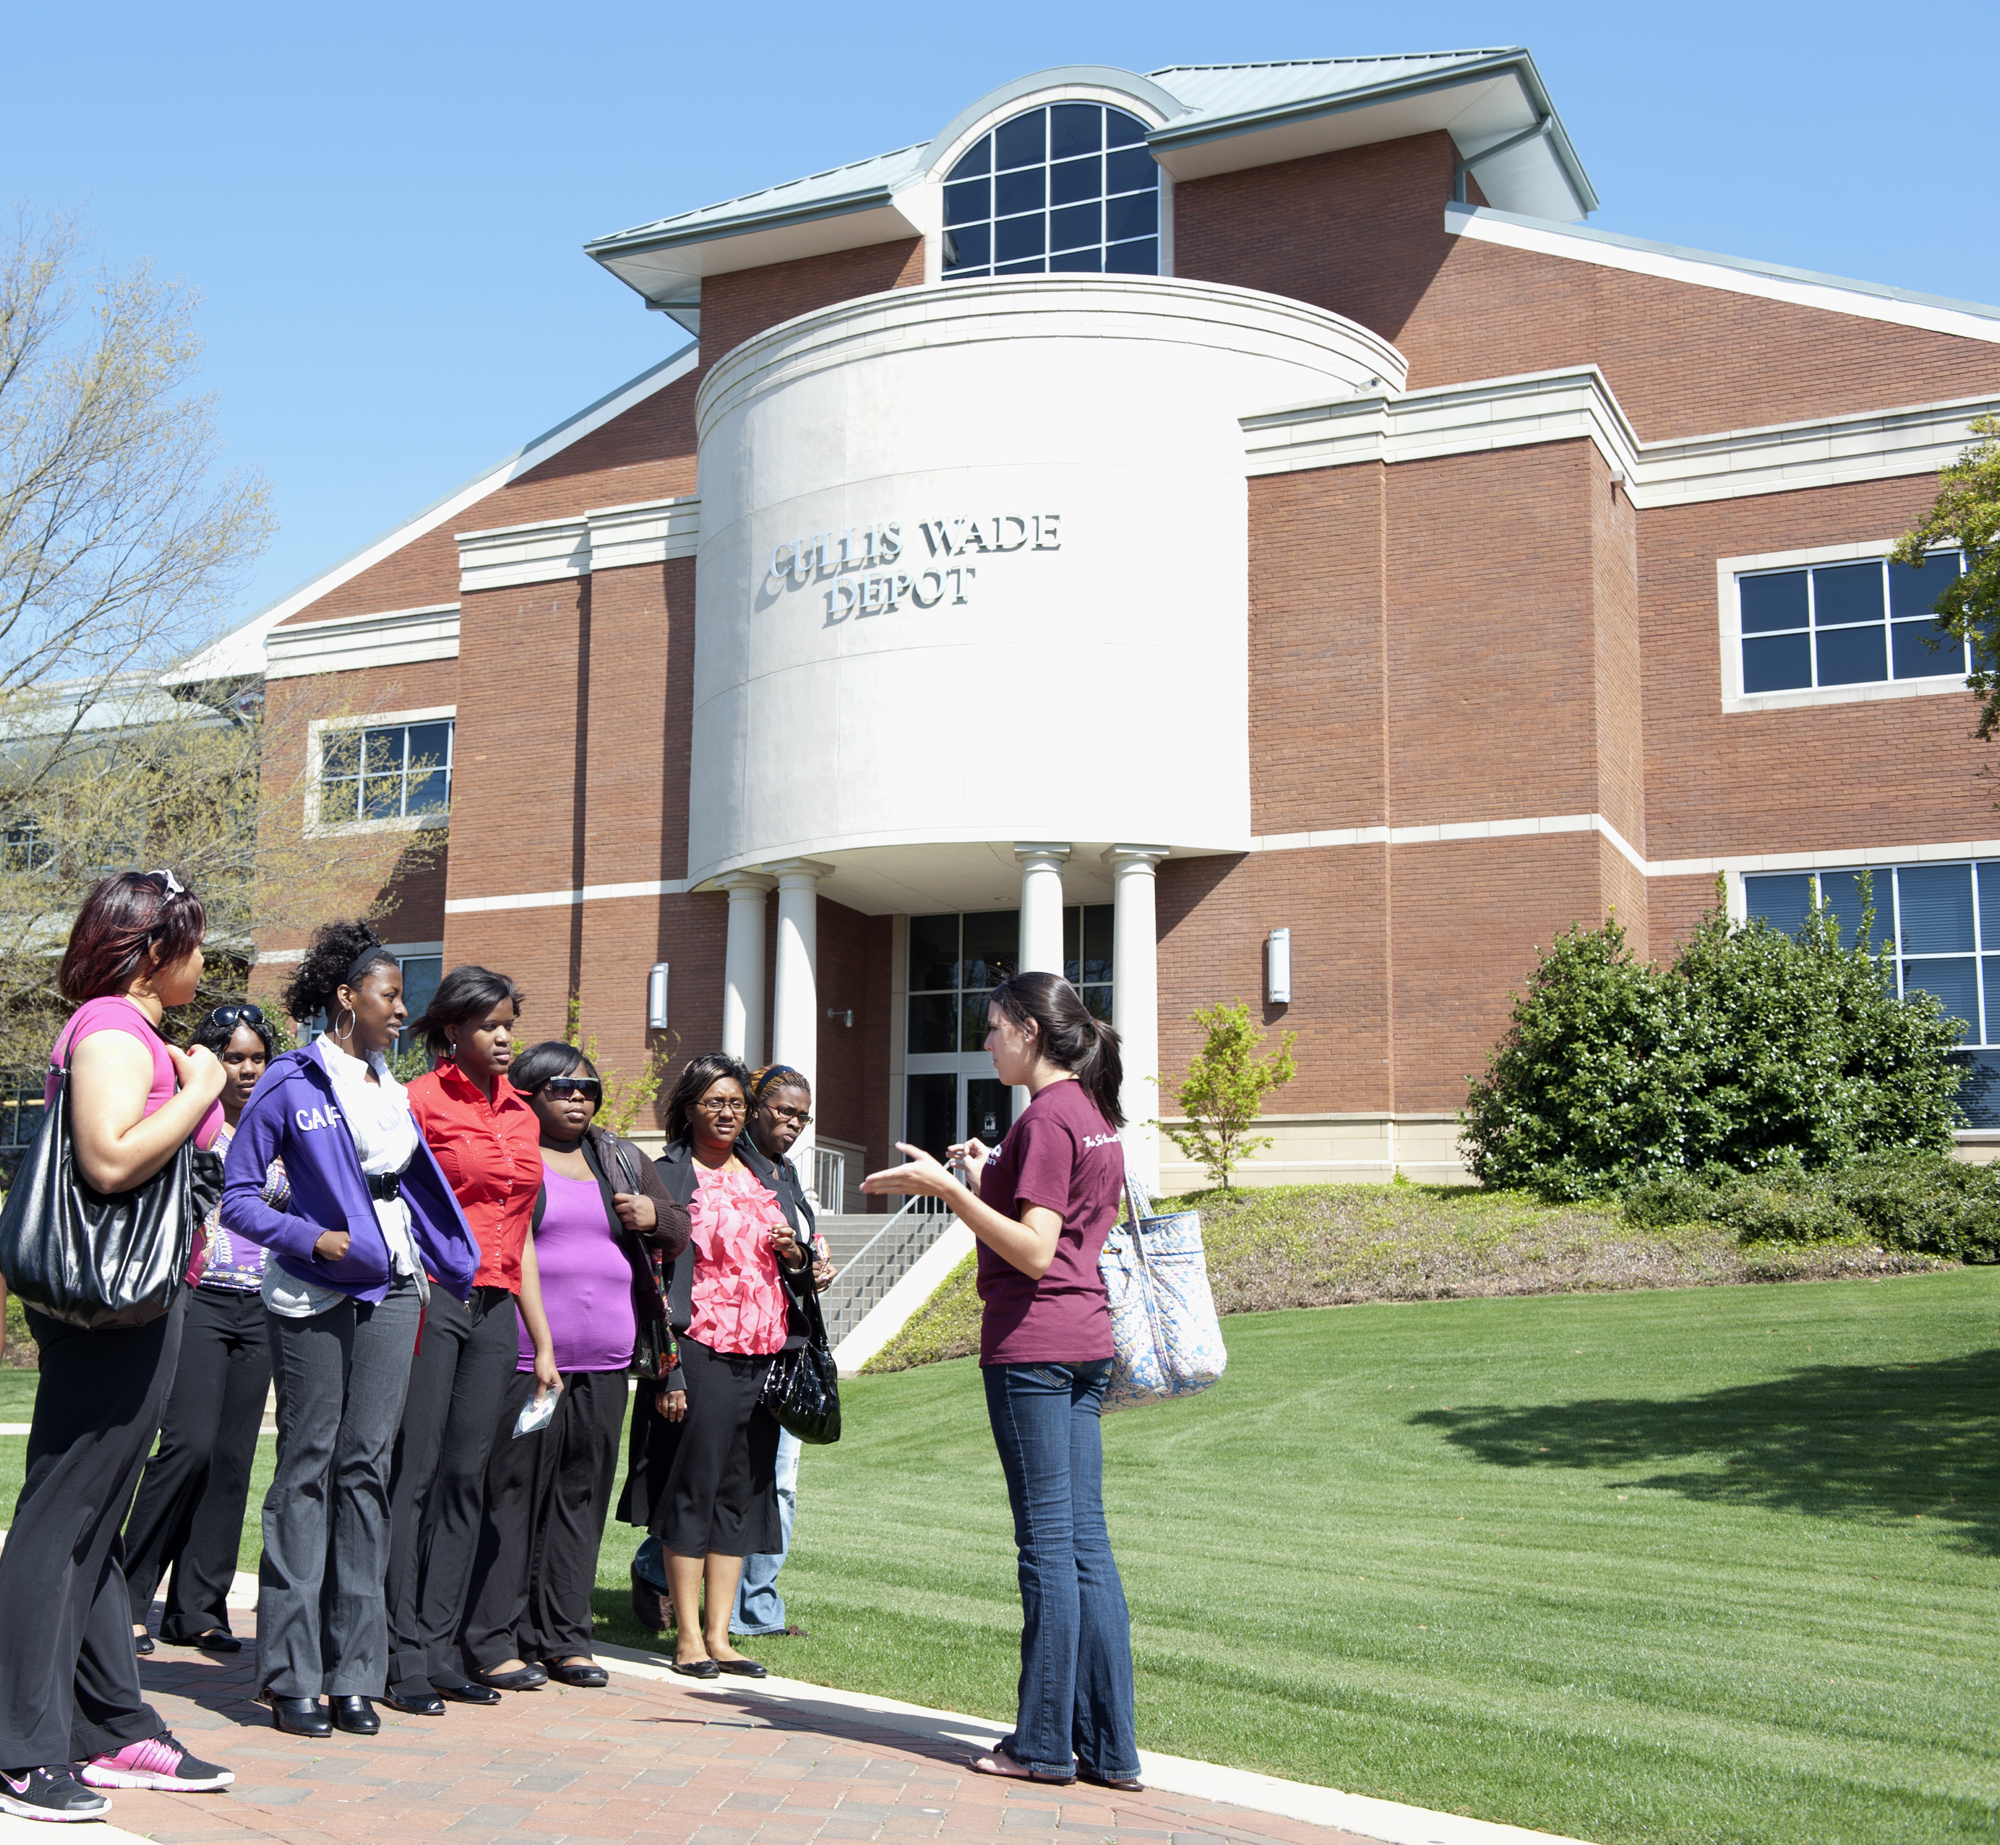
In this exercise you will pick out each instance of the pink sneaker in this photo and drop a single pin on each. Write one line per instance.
(158, 1762)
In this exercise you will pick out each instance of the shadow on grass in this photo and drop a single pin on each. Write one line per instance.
(1831, 1441)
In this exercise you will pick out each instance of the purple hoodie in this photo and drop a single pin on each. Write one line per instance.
(291, 1115)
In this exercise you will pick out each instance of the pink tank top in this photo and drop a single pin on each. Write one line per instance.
(114, 1012)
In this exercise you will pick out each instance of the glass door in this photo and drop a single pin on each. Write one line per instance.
(989, 1109)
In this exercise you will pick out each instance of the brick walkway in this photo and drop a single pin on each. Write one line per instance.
(637, 1761)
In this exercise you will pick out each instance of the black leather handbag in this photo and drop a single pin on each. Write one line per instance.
(99, 1259)
(802, 1387)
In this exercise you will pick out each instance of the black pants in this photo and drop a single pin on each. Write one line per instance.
(189, 1513)
(69, 1679)
(547, 1497)
(438, 1489)
(722, 1495)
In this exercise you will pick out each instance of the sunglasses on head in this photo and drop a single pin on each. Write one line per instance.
(563, 1086)
(236, 1015)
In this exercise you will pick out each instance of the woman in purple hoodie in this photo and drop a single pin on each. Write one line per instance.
(369, 1223)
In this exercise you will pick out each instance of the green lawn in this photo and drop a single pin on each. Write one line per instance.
(1714, 1564)
(1711, 1564)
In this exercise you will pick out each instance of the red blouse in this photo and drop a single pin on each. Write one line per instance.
(491, 1153)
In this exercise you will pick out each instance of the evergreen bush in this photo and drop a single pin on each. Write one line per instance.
(1922, 1202)
(1754, 1050)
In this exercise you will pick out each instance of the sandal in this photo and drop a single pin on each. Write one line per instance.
(1002, 1764)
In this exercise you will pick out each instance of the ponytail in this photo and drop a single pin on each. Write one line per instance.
(1068, 1034)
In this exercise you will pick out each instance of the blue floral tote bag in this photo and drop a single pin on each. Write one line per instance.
(1166, 1335)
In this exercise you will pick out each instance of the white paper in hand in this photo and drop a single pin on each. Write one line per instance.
(536, 1416)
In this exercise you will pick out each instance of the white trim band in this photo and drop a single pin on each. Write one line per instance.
(1578, 405)
(563, 899)
(1452, 832)
(551, 550)
(1736, 864)
(398, 637)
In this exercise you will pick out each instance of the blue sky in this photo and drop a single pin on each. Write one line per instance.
(383, 206)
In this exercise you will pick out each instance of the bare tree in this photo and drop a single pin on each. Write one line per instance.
(121, 541)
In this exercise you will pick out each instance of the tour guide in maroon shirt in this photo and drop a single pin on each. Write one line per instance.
(1041, 1206)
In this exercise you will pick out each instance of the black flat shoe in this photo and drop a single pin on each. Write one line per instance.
(355, 1714)
(142, 1644)
(217, 1640)
(697, 1668)
(297, 1716)
(528, 1678)
(741, 1668)
(416, 1704)
(585, 1678)
(464, 1691)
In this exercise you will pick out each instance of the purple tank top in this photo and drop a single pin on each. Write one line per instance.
(586, 1281)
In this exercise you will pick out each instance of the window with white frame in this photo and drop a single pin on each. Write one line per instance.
(1068, 188)
(1942, 925)
(1851, 623)
(385, 772)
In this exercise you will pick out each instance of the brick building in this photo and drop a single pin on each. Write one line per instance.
(1157, 512)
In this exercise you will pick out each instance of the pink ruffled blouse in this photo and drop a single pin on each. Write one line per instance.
(737, 1303)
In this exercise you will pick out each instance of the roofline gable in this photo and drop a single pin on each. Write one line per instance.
(240, 652)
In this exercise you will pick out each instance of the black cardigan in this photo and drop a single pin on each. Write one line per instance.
(679, 1175)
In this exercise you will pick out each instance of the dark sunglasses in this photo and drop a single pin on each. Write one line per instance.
(588, 1087)
(236, 1015)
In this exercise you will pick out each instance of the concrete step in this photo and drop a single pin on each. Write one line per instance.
(847, 1233)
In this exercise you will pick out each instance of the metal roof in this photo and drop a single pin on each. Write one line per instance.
(1237, 89)
(1212, 118)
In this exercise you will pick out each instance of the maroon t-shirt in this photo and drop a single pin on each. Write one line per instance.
(1063, 1155)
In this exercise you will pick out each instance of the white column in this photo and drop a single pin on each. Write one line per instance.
(1041, 919)
(1041, 907)
(795, 1003)
(1135, 1002)
(743, 967)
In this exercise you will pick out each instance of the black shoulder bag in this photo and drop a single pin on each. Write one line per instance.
(802, 1387)
(98, 1259)
(656, 1353)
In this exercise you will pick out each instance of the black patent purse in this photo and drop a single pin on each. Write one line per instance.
(100, 1259)
(802, 1387)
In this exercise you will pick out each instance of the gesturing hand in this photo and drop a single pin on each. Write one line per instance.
(923, 1177)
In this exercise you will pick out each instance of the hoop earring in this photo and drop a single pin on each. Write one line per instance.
(349, 1032)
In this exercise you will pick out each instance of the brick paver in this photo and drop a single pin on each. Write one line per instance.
(638, 1761)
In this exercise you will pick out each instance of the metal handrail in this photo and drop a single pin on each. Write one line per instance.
(881, 1262)
(830, 1178)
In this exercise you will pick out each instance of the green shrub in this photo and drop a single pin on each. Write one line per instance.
(20, 1352)
(1754, 1050)
(1920, 1202)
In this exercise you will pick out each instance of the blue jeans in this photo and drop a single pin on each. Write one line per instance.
(1076, 1636)
(760, 1609)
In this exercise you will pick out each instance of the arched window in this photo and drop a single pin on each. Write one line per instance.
(1065, 189)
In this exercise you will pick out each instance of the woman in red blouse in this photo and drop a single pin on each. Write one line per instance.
(488, 1142)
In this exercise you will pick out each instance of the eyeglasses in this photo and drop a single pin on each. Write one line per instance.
(236, 1015)
(793, 1114)
(721, 1105)
(588, 1087)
